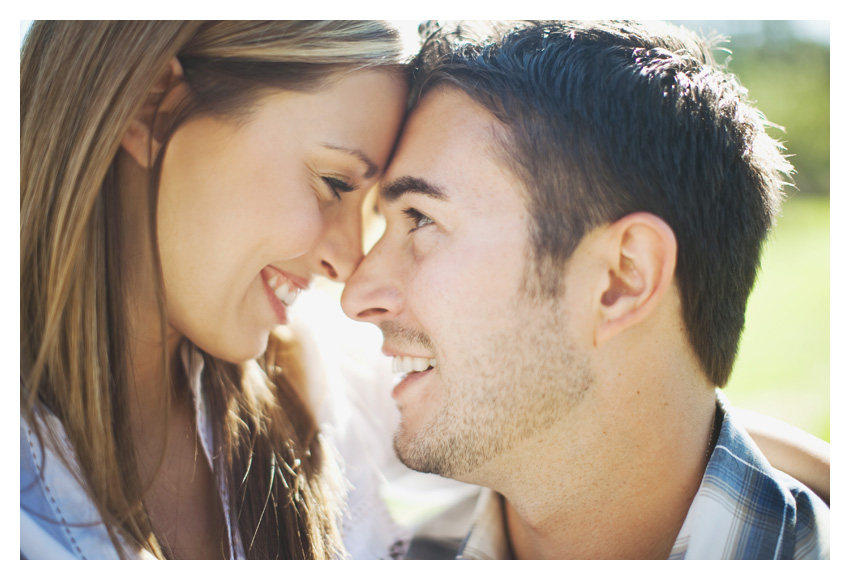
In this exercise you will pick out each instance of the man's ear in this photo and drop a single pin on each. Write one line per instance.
(640, 253)
(142, 140)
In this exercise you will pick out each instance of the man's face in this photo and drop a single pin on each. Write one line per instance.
(489, 366)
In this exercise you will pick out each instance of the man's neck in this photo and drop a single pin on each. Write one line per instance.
(617, 486)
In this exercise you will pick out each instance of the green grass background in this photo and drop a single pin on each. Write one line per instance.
(783, 362)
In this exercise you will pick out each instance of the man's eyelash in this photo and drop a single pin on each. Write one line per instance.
(419, 219)
(337, 185)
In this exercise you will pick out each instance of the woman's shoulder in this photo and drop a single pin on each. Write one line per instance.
(58, 518)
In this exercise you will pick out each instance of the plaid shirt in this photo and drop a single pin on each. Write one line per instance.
(744, 509)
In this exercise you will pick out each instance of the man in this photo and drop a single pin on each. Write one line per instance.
(574, 220)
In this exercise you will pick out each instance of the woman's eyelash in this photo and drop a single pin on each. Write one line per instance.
(419, 219)
(338, 186)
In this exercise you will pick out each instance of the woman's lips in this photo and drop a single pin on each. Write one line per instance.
(282, 289)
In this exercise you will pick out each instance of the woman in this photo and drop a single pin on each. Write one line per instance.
(181, 184)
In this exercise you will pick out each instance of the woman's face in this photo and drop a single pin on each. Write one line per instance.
(250, 211)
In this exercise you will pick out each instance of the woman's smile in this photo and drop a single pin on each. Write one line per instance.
(282, 288)
(238, 199)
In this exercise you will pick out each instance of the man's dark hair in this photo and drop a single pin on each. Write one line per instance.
(606, 119)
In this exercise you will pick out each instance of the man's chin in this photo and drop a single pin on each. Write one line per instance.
(427, 454)
(417, 454)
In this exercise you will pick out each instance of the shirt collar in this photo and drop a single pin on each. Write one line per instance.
(741, 510)
(744, 509)
(487, 539)
(193, 363)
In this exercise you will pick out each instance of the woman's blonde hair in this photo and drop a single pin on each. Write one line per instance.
(81, 85)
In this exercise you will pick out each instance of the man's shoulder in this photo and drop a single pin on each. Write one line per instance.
(746, 509)
(811, 519)
(782, 518)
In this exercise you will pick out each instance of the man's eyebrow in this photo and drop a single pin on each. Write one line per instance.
(407, 184)
(371, 166)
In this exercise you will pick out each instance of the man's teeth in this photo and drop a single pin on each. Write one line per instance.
(286, 292)
(407, 364)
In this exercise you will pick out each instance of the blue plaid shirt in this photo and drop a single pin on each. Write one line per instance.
(744, 509)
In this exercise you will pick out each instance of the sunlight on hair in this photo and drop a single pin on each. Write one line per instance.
(409, 30)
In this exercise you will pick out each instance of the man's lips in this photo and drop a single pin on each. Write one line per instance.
(406, 362)
(408, 382)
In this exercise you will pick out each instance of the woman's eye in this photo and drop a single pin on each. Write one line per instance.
(338, 186)
(418, 219)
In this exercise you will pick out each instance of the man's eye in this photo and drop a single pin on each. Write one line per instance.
(418, 219)
(338, 186)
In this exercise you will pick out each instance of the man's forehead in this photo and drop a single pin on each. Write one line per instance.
(447, 139)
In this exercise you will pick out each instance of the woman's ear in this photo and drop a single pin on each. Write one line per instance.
(142, 140)
(640, 251)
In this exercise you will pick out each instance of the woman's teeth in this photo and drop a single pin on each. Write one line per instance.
(285, 291)
(407, 364)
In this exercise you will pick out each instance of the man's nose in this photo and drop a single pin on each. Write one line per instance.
(372, 293)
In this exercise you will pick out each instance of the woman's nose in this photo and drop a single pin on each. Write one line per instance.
(341, 249)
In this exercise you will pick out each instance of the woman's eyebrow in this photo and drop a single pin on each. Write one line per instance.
(409, 184)
(371, 166)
